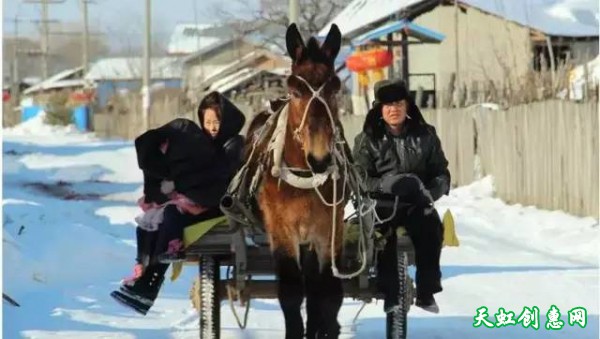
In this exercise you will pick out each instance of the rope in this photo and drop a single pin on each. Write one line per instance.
(358, 313)
(335, 175)
(338, 156)
(315, 95)
(230, 292)
(362, 250)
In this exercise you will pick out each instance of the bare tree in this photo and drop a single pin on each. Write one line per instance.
(68, 52)
(29, 64)
(270, 20)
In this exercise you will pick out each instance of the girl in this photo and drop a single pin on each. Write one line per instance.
(187, 169)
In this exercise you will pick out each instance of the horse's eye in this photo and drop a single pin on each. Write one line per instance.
(295, 94)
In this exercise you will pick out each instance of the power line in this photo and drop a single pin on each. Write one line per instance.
(85, 35)
(146, 75)
(15, 72)
(45, 32)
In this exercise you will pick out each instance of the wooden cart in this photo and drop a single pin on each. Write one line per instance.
(226, 245)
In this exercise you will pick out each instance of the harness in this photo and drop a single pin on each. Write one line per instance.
(302, 178)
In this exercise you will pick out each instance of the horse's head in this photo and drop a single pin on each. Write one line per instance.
(312, 114)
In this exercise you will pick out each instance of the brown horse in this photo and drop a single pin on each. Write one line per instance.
(300, 221)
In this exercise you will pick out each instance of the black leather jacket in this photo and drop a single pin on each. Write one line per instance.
(416, 150)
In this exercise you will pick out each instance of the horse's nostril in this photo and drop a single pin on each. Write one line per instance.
(319, 166)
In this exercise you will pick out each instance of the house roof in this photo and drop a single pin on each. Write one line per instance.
(132, 68)
(235, 79)
(216, 44)
(414, 30)
(60, 84)
(245, 61)
(189, 38)
(553, 17)
(66, 78)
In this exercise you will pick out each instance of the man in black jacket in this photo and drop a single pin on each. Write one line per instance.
(403, 158)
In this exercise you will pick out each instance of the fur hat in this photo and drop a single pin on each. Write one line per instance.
(392, 90)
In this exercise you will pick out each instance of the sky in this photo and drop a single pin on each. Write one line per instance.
(119, 20)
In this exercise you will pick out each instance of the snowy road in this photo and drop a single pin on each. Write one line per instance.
(62, 257)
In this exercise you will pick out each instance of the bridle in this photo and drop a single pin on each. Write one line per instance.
(318, 95)
(338, 156)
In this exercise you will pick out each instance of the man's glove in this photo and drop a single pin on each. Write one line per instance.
(408, 187)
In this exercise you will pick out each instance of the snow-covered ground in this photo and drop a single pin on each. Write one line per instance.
(62, 258)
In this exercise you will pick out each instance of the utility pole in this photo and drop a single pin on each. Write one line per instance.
(146, 77)
(85, 42)
(44, 41)
(457, 78)
(293, 12)
(14, 93)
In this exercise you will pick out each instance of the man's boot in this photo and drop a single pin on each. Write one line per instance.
(428, 283)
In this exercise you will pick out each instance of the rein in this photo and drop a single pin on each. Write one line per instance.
(315, 180)
(273, 133)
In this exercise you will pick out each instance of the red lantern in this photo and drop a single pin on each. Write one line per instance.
(369, 60)
(82, 96)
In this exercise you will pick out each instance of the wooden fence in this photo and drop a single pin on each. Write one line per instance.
(543, 154)
(10, 115)
(124, 120)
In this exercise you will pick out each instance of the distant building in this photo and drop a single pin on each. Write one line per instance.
(498, 41)
(112, 75)
(71, 79)
(190, 38)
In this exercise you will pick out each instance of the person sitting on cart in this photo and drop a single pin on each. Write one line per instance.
(404, 161)
(187, 169)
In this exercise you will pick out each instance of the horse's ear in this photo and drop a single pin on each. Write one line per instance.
(294, 43)
(333, 42)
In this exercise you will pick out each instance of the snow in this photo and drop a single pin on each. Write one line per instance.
(66, 77)
(36, 126)
(63, 257)
(189, 38)
(554, 17)
(132, 68)
(578, 81)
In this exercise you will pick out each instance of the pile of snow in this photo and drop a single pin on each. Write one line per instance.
(529, 229)
(577, 78)
(37, 127)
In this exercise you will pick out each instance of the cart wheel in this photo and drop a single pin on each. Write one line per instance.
(210, 303)
(396, 321)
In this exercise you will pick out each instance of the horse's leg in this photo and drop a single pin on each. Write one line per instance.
(290, 292)
(310, 268)
(324, 297)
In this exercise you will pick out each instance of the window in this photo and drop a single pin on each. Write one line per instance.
(541, 56)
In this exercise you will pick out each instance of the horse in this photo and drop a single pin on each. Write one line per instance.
(302, 222)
